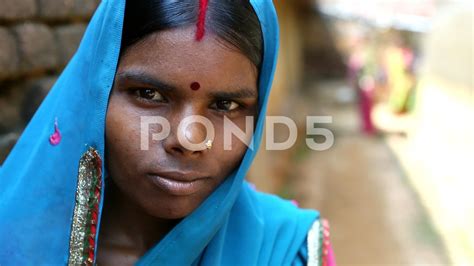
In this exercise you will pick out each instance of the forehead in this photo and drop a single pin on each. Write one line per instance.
(176, 55)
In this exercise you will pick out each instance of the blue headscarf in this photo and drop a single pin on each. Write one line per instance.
(235, 225)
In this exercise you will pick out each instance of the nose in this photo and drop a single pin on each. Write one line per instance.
(191, 137)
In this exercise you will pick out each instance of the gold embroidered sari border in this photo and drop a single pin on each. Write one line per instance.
(84, 222)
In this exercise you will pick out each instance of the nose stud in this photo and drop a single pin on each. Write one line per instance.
(208, 144)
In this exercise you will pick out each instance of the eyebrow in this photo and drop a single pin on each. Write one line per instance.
(241, 93)
(141, 77)
(144, 78)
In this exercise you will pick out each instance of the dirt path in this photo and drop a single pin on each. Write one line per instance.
(358, 185)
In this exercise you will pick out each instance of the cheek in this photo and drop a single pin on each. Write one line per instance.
(122, 137)
(229, 159)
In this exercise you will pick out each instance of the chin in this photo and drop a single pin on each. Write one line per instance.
(174, 208)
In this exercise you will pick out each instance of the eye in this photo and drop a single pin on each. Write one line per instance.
(148, 94)
(225, 105)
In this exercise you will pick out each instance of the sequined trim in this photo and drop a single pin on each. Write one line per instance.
(89, 187)
(326, 244)
(318, 243)
(314, 244)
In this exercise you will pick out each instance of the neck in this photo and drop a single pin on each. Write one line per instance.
(126, 225)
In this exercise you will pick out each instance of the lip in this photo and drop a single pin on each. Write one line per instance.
(177, 183)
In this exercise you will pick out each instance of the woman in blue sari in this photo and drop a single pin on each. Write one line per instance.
(80, 186)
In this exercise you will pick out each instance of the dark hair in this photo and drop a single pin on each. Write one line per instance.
(233, 21)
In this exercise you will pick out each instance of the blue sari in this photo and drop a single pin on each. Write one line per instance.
(40, 183)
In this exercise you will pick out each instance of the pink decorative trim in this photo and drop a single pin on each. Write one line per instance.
(328, 254)
(330, 260)
(56, 137)
(295, 202)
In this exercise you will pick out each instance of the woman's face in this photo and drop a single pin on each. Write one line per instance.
(159, 76)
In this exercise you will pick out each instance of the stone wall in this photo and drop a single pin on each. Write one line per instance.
(37, 39)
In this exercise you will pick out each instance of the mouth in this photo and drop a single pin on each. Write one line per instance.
(178, 183)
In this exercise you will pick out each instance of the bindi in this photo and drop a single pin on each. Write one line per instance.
(195, 86)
